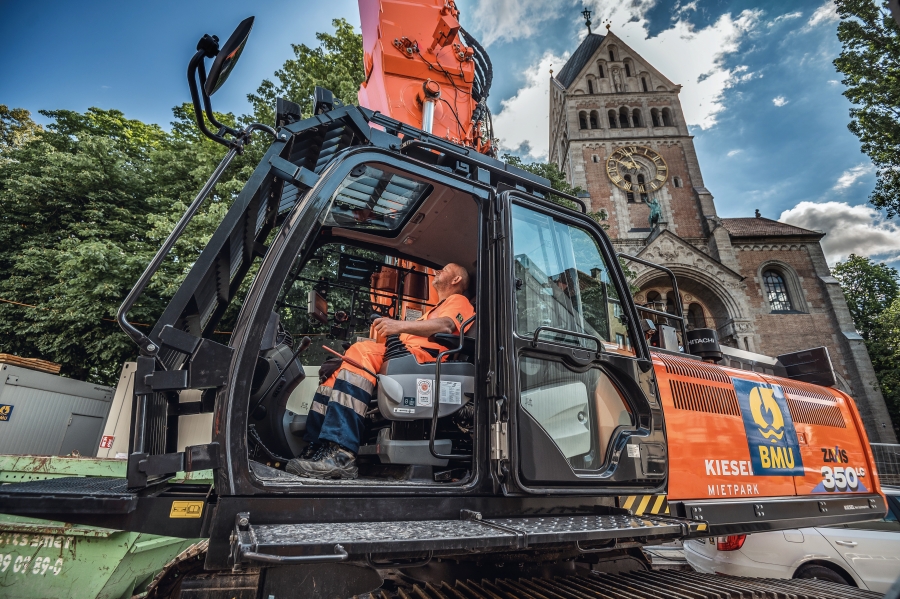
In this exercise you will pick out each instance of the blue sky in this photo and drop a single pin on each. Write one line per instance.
(760, 93)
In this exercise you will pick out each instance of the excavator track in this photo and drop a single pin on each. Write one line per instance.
(632, 585)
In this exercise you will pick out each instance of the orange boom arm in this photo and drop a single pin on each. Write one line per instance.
(424, 70)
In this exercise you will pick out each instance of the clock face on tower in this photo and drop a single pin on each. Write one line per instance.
(637, 168)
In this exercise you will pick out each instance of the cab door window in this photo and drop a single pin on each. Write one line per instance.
(563, 282)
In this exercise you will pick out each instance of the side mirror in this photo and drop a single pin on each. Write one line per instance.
(228, 56)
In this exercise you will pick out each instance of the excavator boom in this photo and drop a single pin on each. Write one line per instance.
(422, 68)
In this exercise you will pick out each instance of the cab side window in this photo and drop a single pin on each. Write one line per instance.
(563, 282)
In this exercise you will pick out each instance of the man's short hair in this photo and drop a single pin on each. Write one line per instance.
(462, 273)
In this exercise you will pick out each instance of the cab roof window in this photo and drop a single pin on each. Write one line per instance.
(375, 199)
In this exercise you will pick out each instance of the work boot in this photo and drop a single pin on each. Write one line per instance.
(312, 452)
(333, 462)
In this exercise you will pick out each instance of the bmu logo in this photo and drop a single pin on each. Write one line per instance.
(766, 413)
(772, 440)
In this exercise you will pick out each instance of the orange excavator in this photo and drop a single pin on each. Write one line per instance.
(564, 429)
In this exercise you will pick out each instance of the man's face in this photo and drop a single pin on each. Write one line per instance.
(444, 278)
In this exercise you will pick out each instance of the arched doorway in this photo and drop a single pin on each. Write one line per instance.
(703, 307)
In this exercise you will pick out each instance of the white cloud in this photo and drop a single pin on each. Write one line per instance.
(827, 13)
(833, 81)
(734, 153)
(785, 17)
(508, 20)
(522, 123)
(849, 229)
(852, 175)
(686, 55)
(779, 101)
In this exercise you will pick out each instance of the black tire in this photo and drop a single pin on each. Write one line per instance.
(822, 573)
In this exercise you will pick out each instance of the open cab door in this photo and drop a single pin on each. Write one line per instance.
(583, 412)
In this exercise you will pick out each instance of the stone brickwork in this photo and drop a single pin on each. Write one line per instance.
(720, 263)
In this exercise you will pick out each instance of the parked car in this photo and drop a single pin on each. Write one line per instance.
(864, 554)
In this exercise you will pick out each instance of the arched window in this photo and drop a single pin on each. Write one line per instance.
(623, 118)
(612, 53)
(676, 181)
(641, 182)
(776, 291)
(595, 158)
(636, 118)
(602, 74)
(629, 195)
(590, 86)
(667, 117)
(654, 117)
(653, 297)
(627, 68)
(582, 120)
(613, 121)
(696, 317)
(644, 84)
(595, 120)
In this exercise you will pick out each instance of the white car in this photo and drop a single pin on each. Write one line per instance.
(864, 554)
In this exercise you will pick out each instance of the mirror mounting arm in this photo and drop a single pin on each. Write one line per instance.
(207, 48)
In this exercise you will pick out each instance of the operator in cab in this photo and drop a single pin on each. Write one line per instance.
(336, 420)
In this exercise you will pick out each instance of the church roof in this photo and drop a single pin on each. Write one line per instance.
(763, 227)
(580, 58)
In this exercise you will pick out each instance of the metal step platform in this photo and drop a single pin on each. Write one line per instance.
(94, 495)
(304, 543)
(632, 585)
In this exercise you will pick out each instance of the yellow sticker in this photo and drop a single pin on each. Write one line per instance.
(186, 509)
(701, 526)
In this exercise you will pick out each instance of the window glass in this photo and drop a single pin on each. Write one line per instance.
(375, 198)
(776, 291)
(578, 410)
(564, 283)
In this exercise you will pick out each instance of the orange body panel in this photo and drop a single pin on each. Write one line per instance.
(739, 434)
(405, 44)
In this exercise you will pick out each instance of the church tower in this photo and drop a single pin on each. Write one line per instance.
(617, 130)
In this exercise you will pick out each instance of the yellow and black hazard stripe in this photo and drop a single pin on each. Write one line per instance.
(645, 505)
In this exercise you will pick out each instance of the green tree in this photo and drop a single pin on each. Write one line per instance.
(869, 288)
(873, 296)
(86, 202)
(74, 201)
(16, 127)
(336, 64)
(870, 63)
(885, 353)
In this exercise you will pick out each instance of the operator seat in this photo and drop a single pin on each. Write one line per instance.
(406, 392)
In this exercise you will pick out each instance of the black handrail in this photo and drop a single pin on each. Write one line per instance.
(146, 346)
(436, 396)
(678, 305)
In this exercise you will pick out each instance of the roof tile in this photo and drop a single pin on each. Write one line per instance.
(763, 227)
(580, 58)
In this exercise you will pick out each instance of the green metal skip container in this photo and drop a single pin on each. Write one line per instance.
(40, 559)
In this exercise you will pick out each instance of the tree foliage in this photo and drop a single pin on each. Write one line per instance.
(86, 201)
(336, 64)
(16, 127)
(873, 296)
(870, 63)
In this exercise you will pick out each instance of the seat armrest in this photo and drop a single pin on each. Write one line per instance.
(451, 341)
